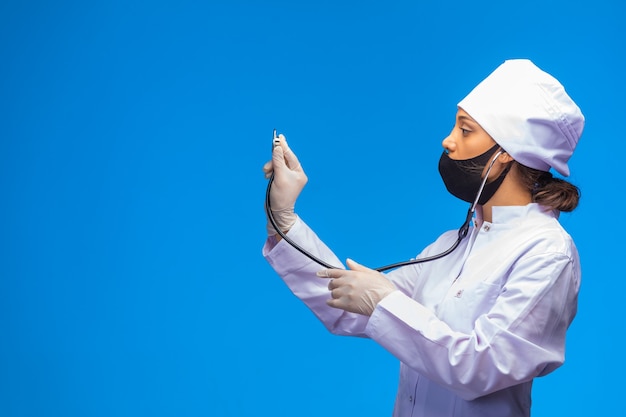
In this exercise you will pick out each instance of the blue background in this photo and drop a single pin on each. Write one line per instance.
(132, 136)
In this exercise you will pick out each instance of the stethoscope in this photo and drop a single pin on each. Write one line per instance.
(462, 233)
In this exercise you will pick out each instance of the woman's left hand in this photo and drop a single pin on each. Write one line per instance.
(358, 289)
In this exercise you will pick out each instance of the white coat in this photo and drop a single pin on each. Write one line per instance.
(471, 330)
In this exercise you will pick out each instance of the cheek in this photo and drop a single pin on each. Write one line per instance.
(495, 172)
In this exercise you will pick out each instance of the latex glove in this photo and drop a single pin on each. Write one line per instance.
(289, 180)
(357, 290)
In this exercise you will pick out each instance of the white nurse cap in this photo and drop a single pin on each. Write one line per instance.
(527, 112)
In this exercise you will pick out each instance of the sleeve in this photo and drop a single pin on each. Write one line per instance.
(298, 272)
(522, 336)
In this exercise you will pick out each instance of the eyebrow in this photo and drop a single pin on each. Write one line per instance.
(466, 119)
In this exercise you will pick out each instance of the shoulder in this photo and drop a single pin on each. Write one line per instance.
(534, 229)
(545, 237)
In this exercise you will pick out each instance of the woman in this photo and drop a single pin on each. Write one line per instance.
(473, 329)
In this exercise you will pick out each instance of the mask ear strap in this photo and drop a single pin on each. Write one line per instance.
(482, 184)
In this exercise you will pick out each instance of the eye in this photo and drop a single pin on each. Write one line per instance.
(464, 131)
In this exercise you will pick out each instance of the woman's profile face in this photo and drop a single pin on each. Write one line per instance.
(467, 139)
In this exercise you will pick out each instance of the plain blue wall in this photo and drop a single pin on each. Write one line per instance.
(132, 138)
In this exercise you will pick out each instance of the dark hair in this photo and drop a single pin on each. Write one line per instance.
(547, 190)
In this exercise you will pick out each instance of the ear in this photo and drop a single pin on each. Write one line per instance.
(505, 158)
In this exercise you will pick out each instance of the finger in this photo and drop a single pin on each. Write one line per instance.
(324, 273)
(339, 294)
(278, 158)
(336, 303)
(268, 169)
(331, 284)
(355, 266)
(290, 157)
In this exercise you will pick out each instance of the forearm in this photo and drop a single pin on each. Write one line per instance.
(469, 364)
(521, 336)
(299, 273)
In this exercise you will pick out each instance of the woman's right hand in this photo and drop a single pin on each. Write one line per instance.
(289, 180)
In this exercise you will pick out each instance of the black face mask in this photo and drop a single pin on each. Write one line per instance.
(463, 177)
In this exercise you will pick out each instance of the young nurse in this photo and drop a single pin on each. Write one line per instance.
(474, 328)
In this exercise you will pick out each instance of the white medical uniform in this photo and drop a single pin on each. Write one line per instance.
(472, 329)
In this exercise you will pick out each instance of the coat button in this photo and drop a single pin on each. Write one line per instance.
(486, 228)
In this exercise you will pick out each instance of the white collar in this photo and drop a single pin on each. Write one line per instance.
(513, 214)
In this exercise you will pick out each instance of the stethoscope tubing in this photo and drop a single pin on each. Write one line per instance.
(462, 233)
